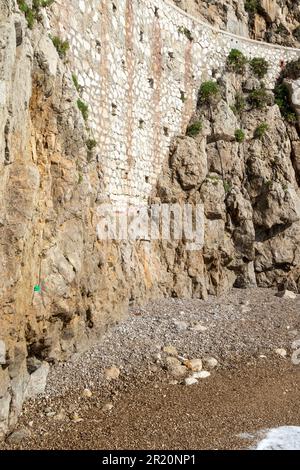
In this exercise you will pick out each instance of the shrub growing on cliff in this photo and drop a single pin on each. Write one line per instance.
(261, 130)
(259, 66)
(76, 83)
(184, 30)
(194, 129)
(209, 91)
(239, 104)
(83, 108)
(253, 6)
(239, 135)
(296, 33)
(236, 61)
(32, 14)
(227, 186)
(282, 99)
(259, 98)
(91, 144)
(292, 70)
(60, 45)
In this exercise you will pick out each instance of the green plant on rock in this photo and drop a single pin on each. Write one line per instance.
(239, 104)
(32, 13)
(227, 186)
(184, 30)
(296, 33)
(194, 129)
(209, 92)
(28, 12)
(268, 183)
(282, 30)
(91, 144)
(60, 45)
(182, 96)
(292, 70)
(261, 130)
(83, 108)
(253, 7)
(236, 61)
(239, 135)
(291, 118)
(76, 83)
(259, 98)
(214, 179)
(282, 99)
(80, 178)
(259, 66)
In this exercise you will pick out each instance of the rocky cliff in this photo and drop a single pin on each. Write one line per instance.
(61, 286)
(274, 21)
(58, 286)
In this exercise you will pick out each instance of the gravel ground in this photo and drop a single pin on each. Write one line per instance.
(253, 387)
(241, 325)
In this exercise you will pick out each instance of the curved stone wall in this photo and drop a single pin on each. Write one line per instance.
(140, 63)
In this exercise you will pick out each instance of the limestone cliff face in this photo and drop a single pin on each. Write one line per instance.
(51, 262)
(60, 286)
(274, 21)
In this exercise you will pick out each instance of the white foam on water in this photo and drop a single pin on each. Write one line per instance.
(283, 438)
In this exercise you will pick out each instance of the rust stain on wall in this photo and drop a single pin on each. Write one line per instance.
(104, 73)
(189, 85)
(130, 67)
(156, 69)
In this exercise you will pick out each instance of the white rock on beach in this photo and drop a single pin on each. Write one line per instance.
(87, 393)
(175, 367)
(191, 381)
(287, 294)
(200, 328)
(201, 375)
(210, 362)
(194, 364)
(112, 373)
(281, 352)
(107, 407)
(38, 381)
(18, 436)
(180, 325)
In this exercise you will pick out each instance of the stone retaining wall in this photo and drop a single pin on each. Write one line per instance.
(141, 74)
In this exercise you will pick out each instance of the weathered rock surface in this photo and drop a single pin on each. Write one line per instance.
(275, 21)
(54, 273)
(250, 195)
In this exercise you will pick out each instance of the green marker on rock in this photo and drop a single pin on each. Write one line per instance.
(37, 288)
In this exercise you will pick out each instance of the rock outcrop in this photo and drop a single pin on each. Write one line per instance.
(274, 21)
(249, 188)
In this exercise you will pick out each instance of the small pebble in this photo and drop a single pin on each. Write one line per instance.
(107, 407)
(202, 375)
(112, 373)
(87, 393)
(281, 352)
(191, 381)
